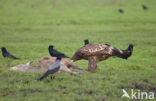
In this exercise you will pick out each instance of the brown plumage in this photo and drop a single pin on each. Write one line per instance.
(96, 52)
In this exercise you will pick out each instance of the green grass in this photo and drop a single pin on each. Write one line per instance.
(27, 27)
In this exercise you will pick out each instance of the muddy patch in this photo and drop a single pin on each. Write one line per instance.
(14, 82)
(90, 92)
(143, 86)
(138, 85)
(62, 87)
(25, 92)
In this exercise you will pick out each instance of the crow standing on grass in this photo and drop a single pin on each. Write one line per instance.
(55, 53)
(53, 69)
(5, 53)
(144, 7)
(121, 10)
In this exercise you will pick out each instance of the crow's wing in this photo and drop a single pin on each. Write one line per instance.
(50, 72)
(57, 53)
(52, 69)
(12, 56)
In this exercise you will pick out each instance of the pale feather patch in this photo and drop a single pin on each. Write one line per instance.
(97, 47)
(102, 47)
(110, 50)
(120, 51)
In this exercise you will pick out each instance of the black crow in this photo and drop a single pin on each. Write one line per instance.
(86, 41)
(127, 53)
(121, 10)
(144, 7)
(5, 53)
(55, 53)
(53, 69)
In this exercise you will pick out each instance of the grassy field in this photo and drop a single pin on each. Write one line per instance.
(28, 27)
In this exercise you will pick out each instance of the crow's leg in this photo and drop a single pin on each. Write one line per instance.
(52, 77)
